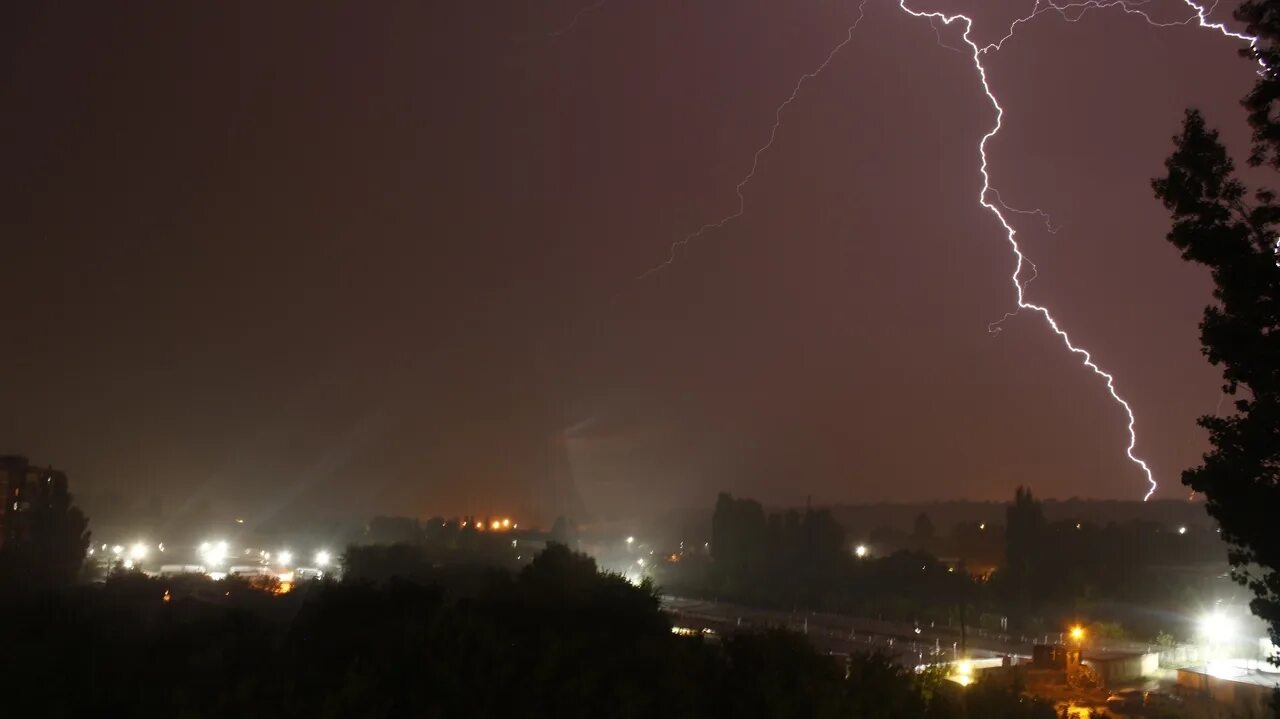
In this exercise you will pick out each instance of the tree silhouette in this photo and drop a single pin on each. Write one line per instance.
(1218, 224)
(1262, 20)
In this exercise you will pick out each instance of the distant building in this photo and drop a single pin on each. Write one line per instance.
(1119, 667)
(27, 489)
(1245, 686)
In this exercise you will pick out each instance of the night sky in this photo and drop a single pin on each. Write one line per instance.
(381, 257)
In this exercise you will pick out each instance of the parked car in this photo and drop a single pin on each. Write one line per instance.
(1127, 702)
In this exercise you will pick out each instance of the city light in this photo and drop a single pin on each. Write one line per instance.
(1077, 633)
(322, 558)
(631, 540)
(117, 550)
(495, 525)
(640, 561)
(213, 552)
(284, 558)
(1216, 626)
(506, 523)
(860, 551)
(1182, 530)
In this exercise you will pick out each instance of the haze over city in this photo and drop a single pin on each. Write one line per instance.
(363, 260)
(827, 359)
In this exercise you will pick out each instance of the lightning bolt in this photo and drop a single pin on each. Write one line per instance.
(755, 159)
(988, 195)
(576, 17)
(1071, 12)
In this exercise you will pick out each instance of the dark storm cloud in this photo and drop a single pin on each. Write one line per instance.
(235, 233)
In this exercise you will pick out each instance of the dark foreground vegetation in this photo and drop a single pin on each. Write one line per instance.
(558, 639)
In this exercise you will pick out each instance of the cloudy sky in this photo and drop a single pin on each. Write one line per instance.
(382, 257)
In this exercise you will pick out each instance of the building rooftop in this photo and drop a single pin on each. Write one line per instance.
(1245, 671)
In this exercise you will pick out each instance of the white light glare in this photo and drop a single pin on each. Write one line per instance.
(285, 558)
(322, 558)
(1216, 626)
(213, 552)
(860, 551)
(138, 551)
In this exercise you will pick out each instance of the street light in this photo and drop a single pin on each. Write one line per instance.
(322, 558)
(860, 551)
(1077, 634)
(631, 540)
(284, 558)
(138, 551)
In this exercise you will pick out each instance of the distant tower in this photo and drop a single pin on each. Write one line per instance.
(28, 488)
(13, 471)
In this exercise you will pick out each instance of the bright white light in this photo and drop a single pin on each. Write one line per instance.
(860, 550)
(138, 551)
(631, 540)
(640, 561)
(322, 558)
(117, 550)
(213, 552)
(1216, 626)
(1182, 530)
(284, 558)
(128, 564)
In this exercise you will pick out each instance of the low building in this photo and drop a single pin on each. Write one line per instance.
(1117, 667)
(1244, 686)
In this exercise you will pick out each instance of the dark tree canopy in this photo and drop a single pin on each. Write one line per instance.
(1262, 20)
(1217, 222)
(557, 639)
